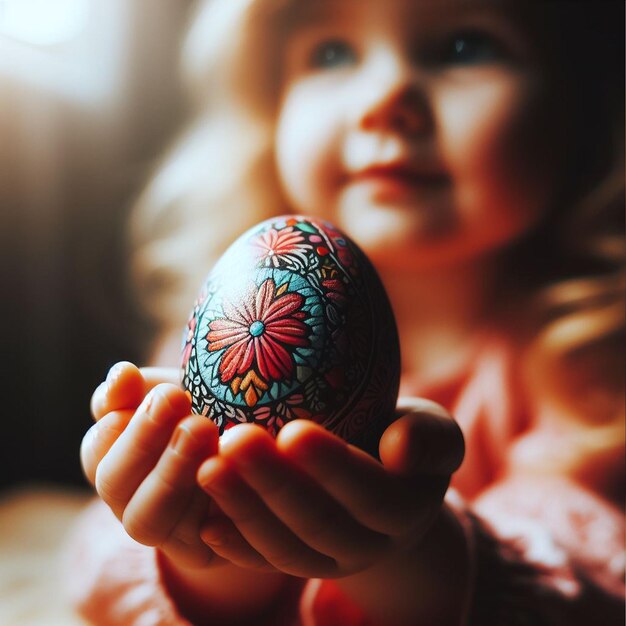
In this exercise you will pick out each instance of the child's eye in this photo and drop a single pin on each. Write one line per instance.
(332, 53)
(472, 48)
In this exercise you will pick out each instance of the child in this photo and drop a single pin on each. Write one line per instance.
(473, 150)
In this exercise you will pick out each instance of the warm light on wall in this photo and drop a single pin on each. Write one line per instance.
(43, 22)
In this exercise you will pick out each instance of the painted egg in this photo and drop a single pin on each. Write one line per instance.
(293, 322)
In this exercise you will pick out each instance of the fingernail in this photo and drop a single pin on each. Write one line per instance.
(183, 439)
(148, 401)
(114, 374)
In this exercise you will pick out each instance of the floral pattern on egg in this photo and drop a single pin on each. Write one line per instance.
(293, 322)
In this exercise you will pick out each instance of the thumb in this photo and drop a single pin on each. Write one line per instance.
(425, 439)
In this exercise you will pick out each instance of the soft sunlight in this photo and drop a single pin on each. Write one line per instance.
(42, 22)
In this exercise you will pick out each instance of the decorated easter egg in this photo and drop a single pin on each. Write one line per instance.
(294, 323)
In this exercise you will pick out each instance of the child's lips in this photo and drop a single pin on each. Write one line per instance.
(399, 179)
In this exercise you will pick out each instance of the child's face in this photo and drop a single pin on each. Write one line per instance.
(419, 126)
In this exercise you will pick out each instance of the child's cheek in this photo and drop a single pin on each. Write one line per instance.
(307, 155)
(492, 140)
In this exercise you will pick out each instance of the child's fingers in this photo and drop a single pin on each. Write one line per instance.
(184, 545)
(123, 388)
(385, 503)
(98, 400)
(138, 448)
(126, 385)
(160, 501)
(99, 439)
(156, 375)
(425, 439)
(223, 537)
(298, 501)
(257, 524)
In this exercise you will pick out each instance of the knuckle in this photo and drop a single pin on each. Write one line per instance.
(112, 425)
(165, 404)
(192, 440)
(144, 443)
(167, 480)
(109, 490)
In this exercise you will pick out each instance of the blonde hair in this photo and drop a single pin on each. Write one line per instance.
(575, 363)
(219, 178)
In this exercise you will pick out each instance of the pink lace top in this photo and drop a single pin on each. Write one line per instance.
(545, 551)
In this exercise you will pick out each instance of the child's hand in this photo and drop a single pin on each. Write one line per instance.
(142, 456)
(310, 505)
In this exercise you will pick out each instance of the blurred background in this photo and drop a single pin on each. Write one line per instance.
(88, 99)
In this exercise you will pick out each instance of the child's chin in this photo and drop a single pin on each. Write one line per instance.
(392, 228)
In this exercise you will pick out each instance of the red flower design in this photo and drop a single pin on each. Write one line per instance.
(257, 333)
(274, 245)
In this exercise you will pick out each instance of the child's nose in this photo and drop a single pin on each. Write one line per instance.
(397, 101)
